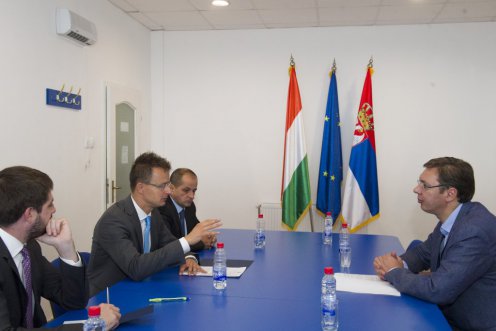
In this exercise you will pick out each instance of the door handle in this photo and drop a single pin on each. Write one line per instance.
(114, 188)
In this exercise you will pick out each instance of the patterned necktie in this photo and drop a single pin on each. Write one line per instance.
(26, 270)
(182, 222)
(146, 236)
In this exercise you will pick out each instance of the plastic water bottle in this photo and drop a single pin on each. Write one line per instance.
(94, 321)
(329, 301)
(220, 267)
(344, 236)
(344, 247)
(260, 233)
(327, 234)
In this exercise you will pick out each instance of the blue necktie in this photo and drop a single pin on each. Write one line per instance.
(443, 241)
(26, 270)
(182, 222)
(441, 246)
(146, 236)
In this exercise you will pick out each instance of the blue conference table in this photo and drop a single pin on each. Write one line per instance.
(280, 290)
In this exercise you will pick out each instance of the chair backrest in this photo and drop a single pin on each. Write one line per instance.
(414, 243)
(56, 309)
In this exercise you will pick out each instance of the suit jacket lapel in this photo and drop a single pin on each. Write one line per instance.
(175, 215)
(155, 229)
(5, 255)
(456, 225)
(440, 237)
(134, 221)
(436, 242)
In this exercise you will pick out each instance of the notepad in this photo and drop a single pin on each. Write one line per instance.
(370, 284)
(232, 272)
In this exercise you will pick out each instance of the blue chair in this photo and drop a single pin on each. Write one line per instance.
(414, 243)
(56, 309)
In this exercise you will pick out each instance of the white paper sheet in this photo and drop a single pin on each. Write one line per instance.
(370, 284)
(231, 272)
(75, 322)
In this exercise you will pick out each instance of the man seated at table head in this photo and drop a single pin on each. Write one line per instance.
(460, 252)
(26, 210)
(131, 240)
(179, 211)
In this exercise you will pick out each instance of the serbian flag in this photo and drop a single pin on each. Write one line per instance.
(295, 192)
(331, 160)
(361, 193)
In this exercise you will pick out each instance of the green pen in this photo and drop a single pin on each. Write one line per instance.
(169, 299)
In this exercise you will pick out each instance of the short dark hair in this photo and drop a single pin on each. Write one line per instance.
(177, 176)
(21, 188)
(143, 166)
(455, 173)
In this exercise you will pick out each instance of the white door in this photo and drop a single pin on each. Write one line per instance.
(123, 107)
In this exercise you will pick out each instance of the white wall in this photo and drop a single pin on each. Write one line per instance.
(223, 103)
(34, 58)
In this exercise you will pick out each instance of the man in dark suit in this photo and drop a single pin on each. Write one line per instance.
(460, 252)
(131, 240)
(26, 210)
(179, 211)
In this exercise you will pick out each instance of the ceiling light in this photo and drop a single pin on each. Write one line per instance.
(220, 3)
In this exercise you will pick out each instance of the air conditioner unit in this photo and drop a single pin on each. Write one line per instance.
(74, 27)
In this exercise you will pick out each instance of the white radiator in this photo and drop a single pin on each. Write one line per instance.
(272, 212)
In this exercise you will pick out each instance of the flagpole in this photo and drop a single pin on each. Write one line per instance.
(311, 218)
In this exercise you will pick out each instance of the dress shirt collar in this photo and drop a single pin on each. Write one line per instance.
(141, 214)
(448, 224)
(13, 244)
(178, 208)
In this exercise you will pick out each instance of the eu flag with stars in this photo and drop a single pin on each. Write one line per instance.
(331, 161)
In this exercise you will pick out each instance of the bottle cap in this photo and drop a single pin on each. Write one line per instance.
(94, 311)
(328, 213)
(328, 271)
(220, 245)
(260, 215)
(344, 225)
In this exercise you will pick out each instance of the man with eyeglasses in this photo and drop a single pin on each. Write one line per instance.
(131, 240)
(460, 253)
(179, 211)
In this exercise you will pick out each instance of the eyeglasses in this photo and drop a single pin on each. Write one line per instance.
(161, 186)
(425, 186)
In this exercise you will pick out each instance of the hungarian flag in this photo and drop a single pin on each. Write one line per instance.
(295, 193)
(331, 161)
(361, 193)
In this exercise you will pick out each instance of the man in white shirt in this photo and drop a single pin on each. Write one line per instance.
(26, 210)
(179, 211)
(131, 240)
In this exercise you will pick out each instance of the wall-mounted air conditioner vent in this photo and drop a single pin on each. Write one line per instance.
(75, 27)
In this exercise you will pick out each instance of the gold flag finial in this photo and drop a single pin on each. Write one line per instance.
(371, 62)
(333, 68)
(291, 64)
(370, 66)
